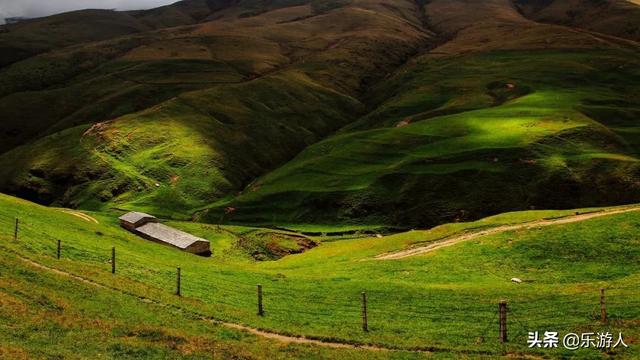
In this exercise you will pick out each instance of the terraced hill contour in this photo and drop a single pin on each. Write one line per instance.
(394, 113)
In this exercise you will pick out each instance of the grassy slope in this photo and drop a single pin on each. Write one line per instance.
(484, 110)
(231, 129)
(550, 132)
(443, 300)
(32, 37)
(101, 81)
(192, 157)
(57, 313)
(96, 81)
(615, 17)
(479, 125)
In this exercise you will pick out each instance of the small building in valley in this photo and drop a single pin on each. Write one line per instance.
(148, 227)
(133, 220)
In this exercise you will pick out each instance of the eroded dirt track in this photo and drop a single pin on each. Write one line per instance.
(458, 238)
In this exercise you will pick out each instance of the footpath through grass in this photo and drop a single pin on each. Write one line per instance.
(443, 301)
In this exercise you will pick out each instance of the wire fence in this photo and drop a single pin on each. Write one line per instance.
(327, 310)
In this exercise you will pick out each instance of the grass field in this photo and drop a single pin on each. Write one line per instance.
(442, 301)
(57, 313)
(327, 149)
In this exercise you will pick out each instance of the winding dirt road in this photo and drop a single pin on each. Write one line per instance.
(458, 238)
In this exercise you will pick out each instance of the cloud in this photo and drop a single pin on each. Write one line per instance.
(37, 8)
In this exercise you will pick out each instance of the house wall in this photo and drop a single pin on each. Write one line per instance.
(199, 247)
(127, 225)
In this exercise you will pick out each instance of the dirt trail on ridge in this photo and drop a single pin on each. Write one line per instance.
(458, 238)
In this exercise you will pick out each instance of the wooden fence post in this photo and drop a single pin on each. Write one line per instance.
(603, 307)
(260, 308)
(178, 283)
(113, 260)
(502, 307)
(365, 322)
(58, 252)
(15, 230)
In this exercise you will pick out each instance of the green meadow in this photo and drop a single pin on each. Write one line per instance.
(443, 301)
(495, 143)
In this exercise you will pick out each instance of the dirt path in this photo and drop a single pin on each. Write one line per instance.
(81, 215)
(262, 333)
(457, 238)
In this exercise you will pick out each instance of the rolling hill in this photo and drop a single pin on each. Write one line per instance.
(438, 304)
(32, 37)
(361, 113)
(619, 18)
(476, 126)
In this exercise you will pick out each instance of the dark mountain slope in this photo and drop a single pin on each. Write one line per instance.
(31, 37)
(615, 17)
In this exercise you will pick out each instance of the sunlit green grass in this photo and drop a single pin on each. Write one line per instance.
(444, 300)
(173, 159)
(45, 315)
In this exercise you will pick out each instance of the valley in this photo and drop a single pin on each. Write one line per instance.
(374, 177)
(419, 115)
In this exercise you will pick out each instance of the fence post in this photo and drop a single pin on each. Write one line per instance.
(502, 307)
(365, 322)
(58, 252)
(260, 308)
(178, 283)
(113, 260)
(15, 231)
(603, 307)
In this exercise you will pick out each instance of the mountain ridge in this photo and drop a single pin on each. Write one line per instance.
(385, 61)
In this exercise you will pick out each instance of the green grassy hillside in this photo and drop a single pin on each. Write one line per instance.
(174, 158)
(265, 98)
(460, 141)
(342, 113)
(57, 313)
(98, 81)
(444, 301)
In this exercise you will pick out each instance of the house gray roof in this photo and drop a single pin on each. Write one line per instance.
(169, 235)
(134, 217)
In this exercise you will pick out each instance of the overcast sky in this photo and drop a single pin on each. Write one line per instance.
(36, 8)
